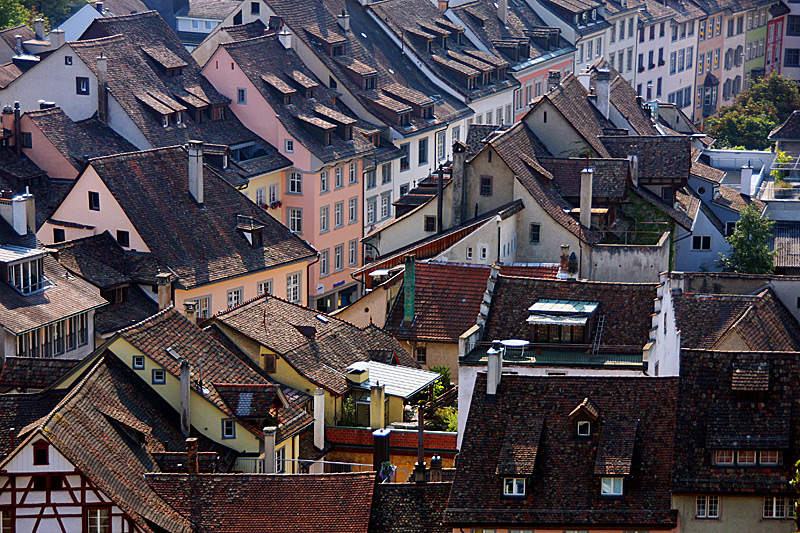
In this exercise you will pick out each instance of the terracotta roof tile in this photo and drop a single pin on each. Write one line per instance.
(789, 130)
(572, 101)
(18, 411)
(25, 373)
(660, 156)
(609, 180)
(409, 508)
(734, 200)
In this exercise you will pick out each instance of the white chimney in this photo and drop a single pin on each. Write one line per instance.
(269, 449)
(634, 166)
(584, 77)
(319, 418)
(494, 368)
(38, 29)
(602, 89)
(344, 20)
(19, 213)
(102, 89)
(186, 398)
(586, 197)
(57, 39)
(163, 279)
(196, 186)
(190, 310)
(18, 46)
(285, 38)
(502, 11)
(747, 181)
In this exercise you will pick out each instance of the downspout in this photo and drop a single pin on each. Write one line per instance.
(308, 277)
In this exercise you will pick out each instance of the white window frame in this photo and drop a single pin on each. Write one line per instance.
(295, 183)
(352, 210)
(261, 196)
(324, 262)
(611, 486)
(235, 296)
(353, 177)
(294, 217)
(352, 252)
(338, 214)
(280, 460)
(514, 486)
(338, 180)
(740, 461)
(703, 240)
(228, 428)
(274, 193)
(386, 202)
(707, 507)
(159, 380)
(441, 137)
(138, 362)
(764, 461)
(324, 183)
(241, 95)
(264, 287)
(338, 257)
(324, 218)
(294, 285)
(584, 428)
(468, 253)
(723, 457)
(771, 505)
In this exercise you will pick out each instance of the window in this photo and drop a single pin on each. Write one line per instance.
(241, 95)
(371, 179)
(59, 235)
(486, 185)
(338, 214)
(584, 428)
(746, 457)
(280, 461)
(386, 173)
(295, 216)
(421, 352)
(351, 169)
(228, 428)
(768, 458)
(371, 208)
(707, 507)
(209, 25)
(730, 227)
(535, 233)
(404, 189)
(94, 201)
(385, 206)
(81, 85)
(723, 457)
(484, 253)
(630, 27)
(41, 454)
(352, 210)
(324, 213)
(255, 8)
(123, 238)
(456, 133)
(352, 252)
(261, 196)
(405, 164)
(338, 257)
(469, 258)
(324, 262)
(629, 60)
(338, 180)
(295, 183)
(793, 25)
(611, 486)
(159, 376)
(440, 143)
(28, 276)
(689, 57)
(138, 362)
(589, 50)
(264, 287)
(98, 520)
(430, 223)
(235, 297)
(422, 148)
(324, 183)
(613, 37)
(792, 57)
(331, 82)
(203, 306)
(195, 24)
(6, 521)
(701, 242)
(514, 486)
(288, 146)
(293, 287)
(489, 117)
(776, 507)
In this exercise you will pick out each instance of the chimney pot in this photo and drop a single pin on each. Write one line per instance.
(190, 310)
(196, 185)
(285, 38)
(436, 469)
(747, 181)
(164, 281)
(587, 175)
(344, 21)
(192, 466)
(99, 7)
(494, 368)
(319, 418)
(602, 84)
(57, 39)
(38, 29)
(18, 40)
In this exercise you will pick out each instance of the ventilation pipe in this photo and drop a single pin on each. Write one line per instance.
(494, 368)
(586, 197)
(196, 186)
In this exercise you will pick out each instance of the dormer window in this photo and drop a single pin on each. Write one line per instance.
(585, 17)
(179, 117)
(561, 321)
(594, 14)
(575, 19)
(584, 428)
(514, 486)
(165, 121)
(24, 268)
(369, 82)
(611, 486)
(471, 84)
(427, 112)
(487, 77)
(338, 50)
(404, 119)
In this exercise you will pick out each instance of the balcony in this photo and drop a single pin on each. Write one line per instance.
(566, 354)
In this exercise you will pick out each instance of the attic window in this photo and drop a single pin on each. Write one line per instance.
(427, 112)
(514, 486)
(404, 119)
(584, 428)
(26, 274)
(338, 50)
(270, 363)
(611, 486)
(41, 453)
(369, 82)
(138, 362)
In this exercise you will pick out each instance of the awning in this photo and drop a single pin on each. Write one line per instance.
(400, 381)
(559, 320)
(563, 306)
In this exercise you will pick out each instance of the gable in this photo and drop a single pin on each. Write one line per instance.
(21, 461)
(555, 131)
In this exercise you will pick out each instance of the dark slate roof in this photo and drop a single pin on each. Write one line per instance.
(122, 7)
(316, 345)
(687, 202)
(67, 296)
(135, 307)
(442, 310)
(8, 73)
(789, 130)
(761, 320)
(78, 141)
(627, 307)
(660, 156)
(734, 200)
(18, 411)
(170, 329)
(25, 373)
(208, 9)
(409, 508)
(250, 503)
(564, 487)
(202, 244)
(480, 134)
(241, 32)
(609, 180)
(706, 172)
(9, 35)
(15, 170)
(131, 43)
(266, 57)
(786, 241)
(715, 413)
(623, 98)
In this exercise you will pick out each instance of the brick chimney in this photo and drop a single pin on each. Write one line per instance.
(17, 130)
(319, 418)
(553, 79)
(102, 89)
(192, 466)
(164, 281)
(494, 368)
(190, 311)
(587, 175)
(409, 286)
(602, 88)
(186, 397)
(269, 449)
(196, 185)
(563, 266)
(18, 44)
(377, 406)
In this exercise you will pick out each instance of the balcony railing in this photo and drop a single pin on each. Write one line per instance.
(567, 354)
(250, 465)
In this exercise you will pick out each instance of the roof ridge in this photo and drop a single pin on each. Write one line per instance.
(251, 40)
(637, 285)
(238, 306)
(122, 155)
(141, 14)
(41, 112)
(152, 317)
(98, 40)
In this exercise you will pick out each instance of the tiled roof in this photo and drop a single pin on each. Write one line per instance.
(706, 172)
(623, 98)
(170, 329)
(627, 307)
(734, 200)
(443, 310)
(713, 414)
(18, 411)
(18, 170)
(121, 7)
(8, 73)
(135, 307)
(564, 488)
(134, 77)
(241, 32)
(409, 508)
(318, 346)
(67, 296)
(786, 242)
(78, 141)
(687, 202)
(249, 503)
(609, 180)
(762, 321)
(264, 58)
(9, 35)
(208, 9)
(32, 372)
(199, 243)
(789, 130)
(530, 270)
(520, 446)
(660, 156)
(677, 214)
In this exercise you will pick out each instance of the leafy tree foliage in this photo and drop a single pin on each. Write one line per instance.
(755, 112)
(13, 13)
(750, 253)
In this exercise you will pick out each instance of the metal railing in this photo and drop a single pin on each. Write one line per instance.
(250, 465)
(574, 354)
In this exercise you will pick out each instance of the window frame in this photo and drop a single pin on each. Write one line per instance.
(82, 86)
(612, 491)
(106, 509)
(761, 460)
(704, 239)
(265, 287)
(429, 222)
(586, 424)
(158, 381)
(226, 435)
(94, 205)
(39, 447)
(724, 454)
(237, 293)
(486, 185)
(241, 96)
(137, 362)
(511, 487)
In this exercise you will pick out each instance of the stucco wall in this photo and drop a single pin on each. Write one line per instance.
(633, 264)
(737, 514)
(556, 133)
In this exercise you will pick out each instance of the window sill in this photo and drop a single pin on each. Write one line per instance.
(294, 193)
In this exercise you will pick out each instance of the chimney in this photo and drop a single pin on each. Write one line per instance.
(419, 466)
(377, 406)
(186, 397)
(19, 213)
(572, 267)
(409, 286)
(344, 20)
(269, 449)
(436, 469)
(457, 179)
(18, 45)
(587, 175)
(102, 89)
(634, 164)
(553, 79)
(196, 186)
(444, 5)
(494, 368)
(38, 29)
(564, 264)
(192, 466)
(380, 448)
(164, 281)
(602, 88)
(440, 200)
(190, 310)
(57, 39)
(99, 7)
(502, 11)
(285, 38)
(17, 130)
(319, 418)
(585, 77)
(747, 181)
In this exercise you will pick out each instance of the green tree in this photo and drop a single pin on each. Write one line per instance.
(795, 483)
(755, 112)
(750, 253)
(54, 12)
(13, 13)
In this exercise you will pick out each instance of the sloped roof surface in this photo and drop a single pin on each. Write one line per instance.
(409, 508)
(609, 179)
(32, 372)
(789, 130)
